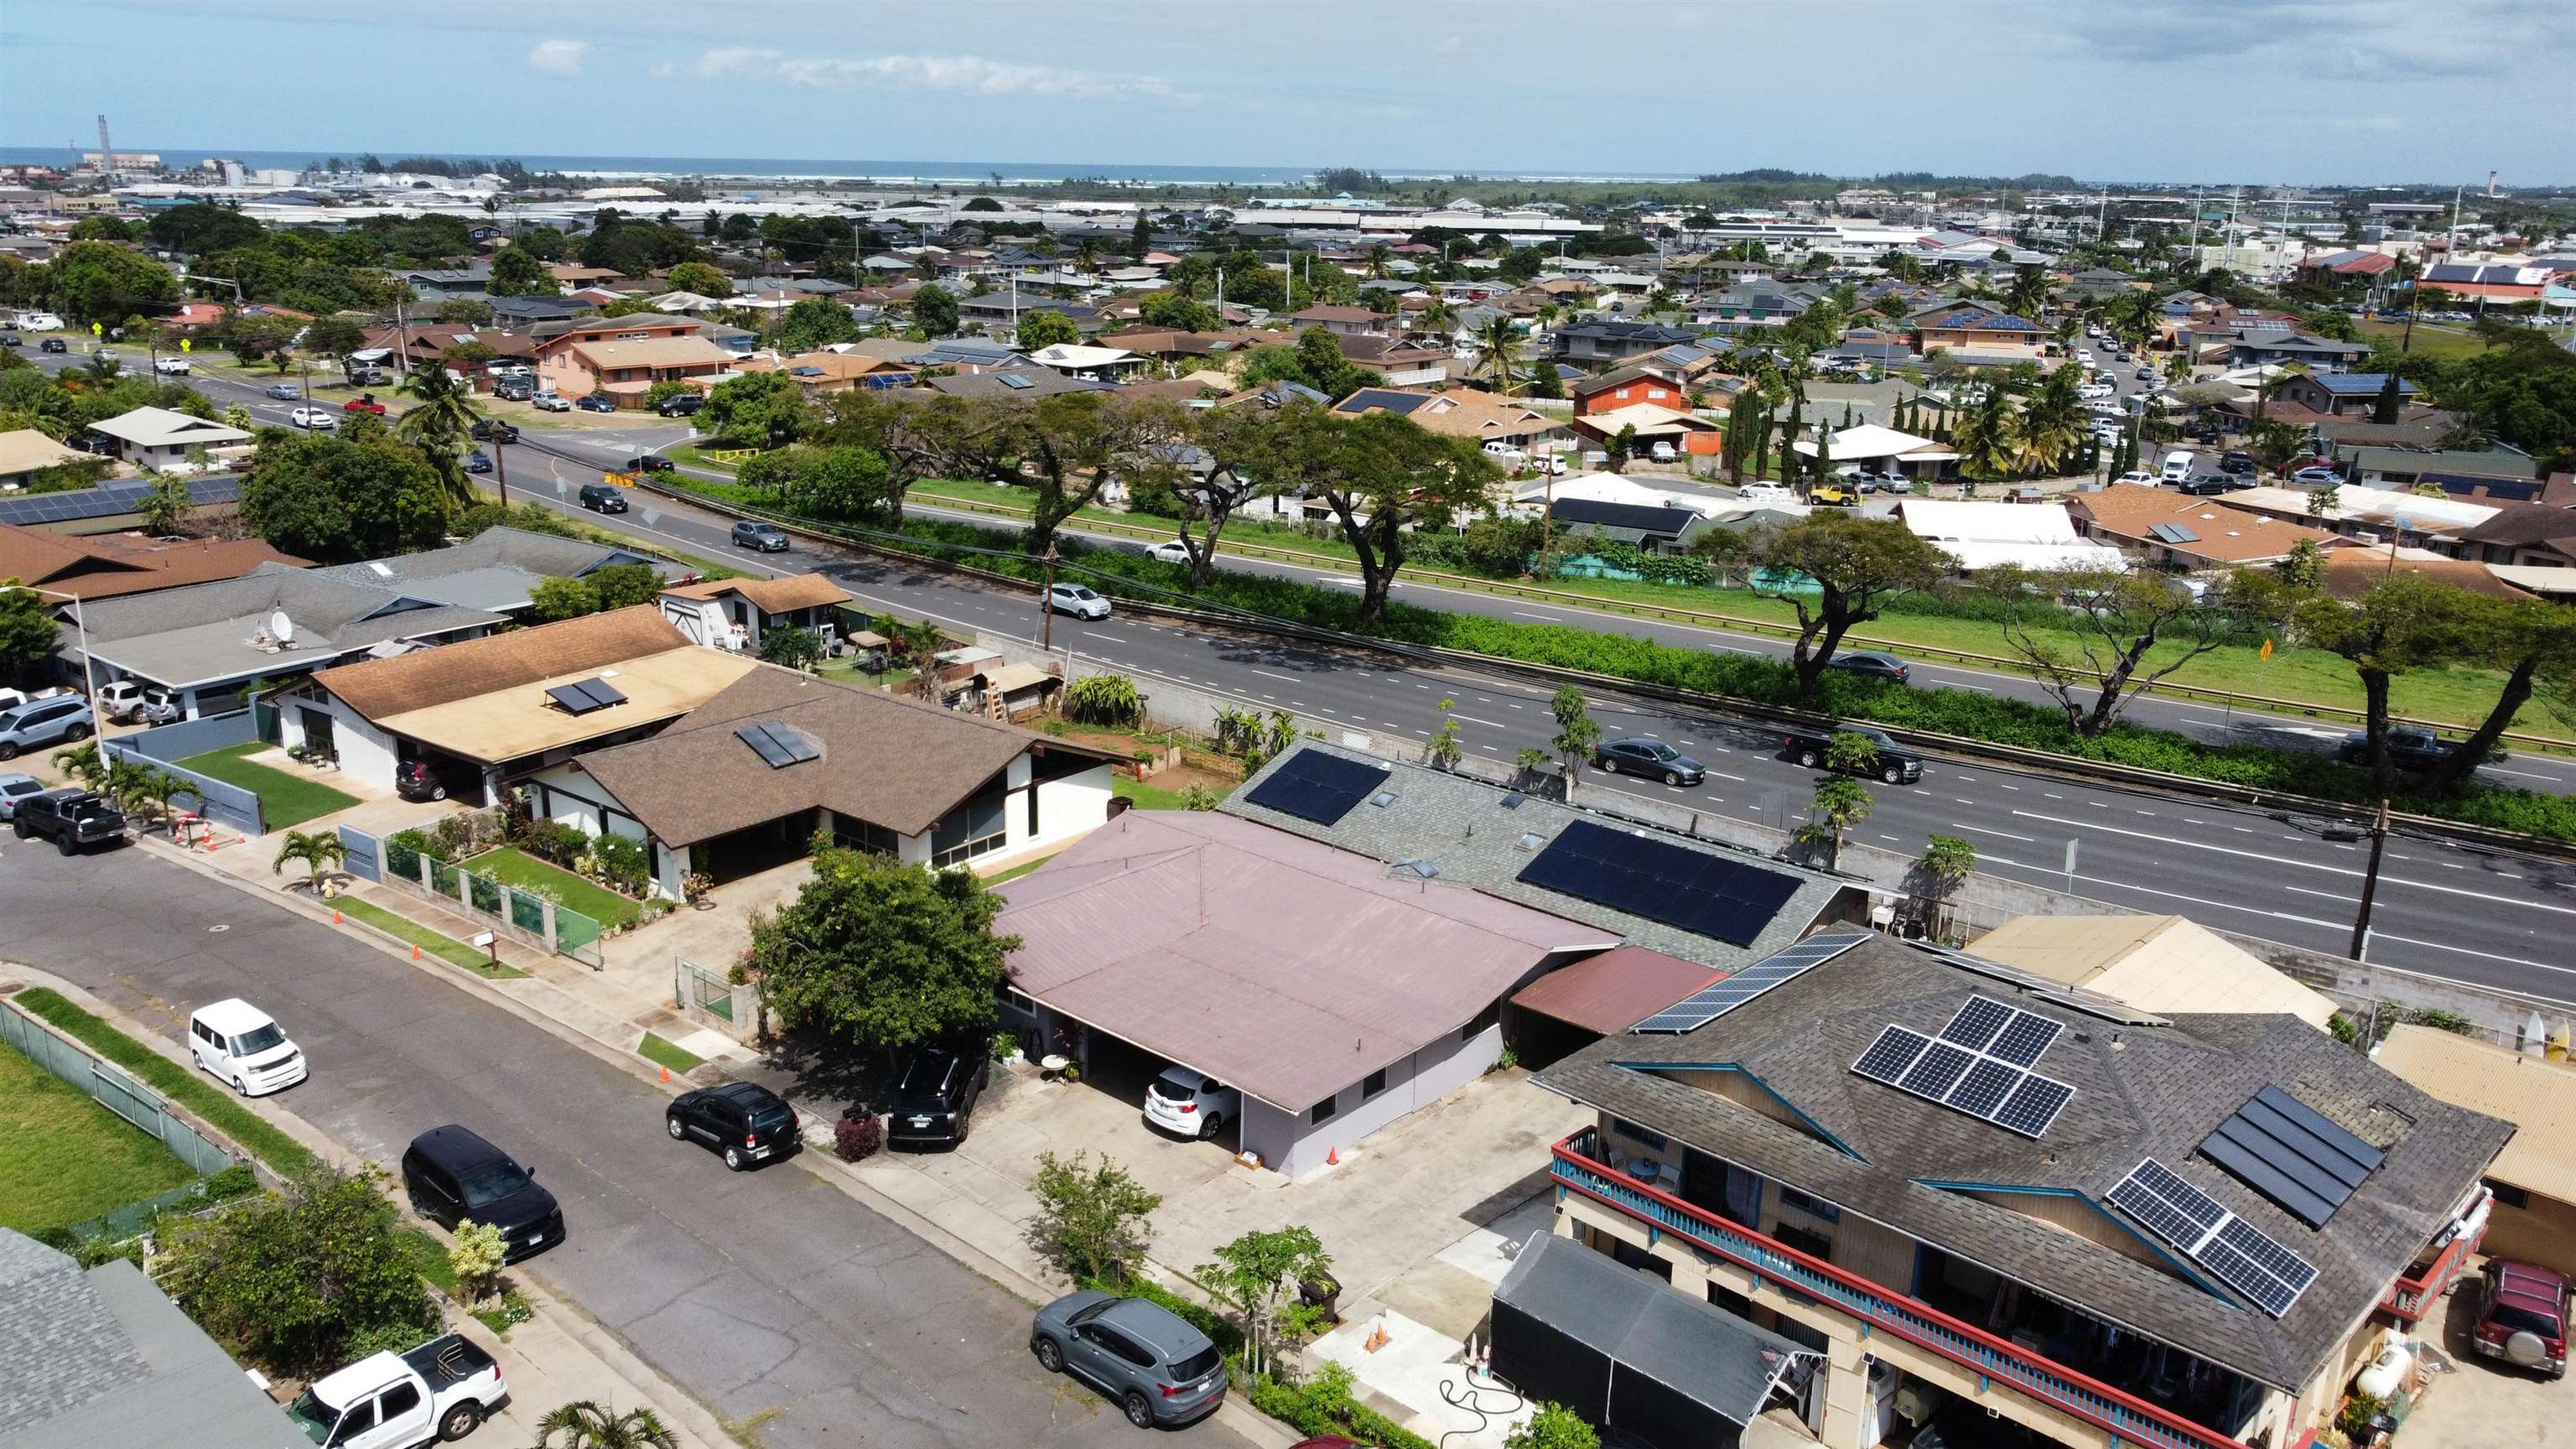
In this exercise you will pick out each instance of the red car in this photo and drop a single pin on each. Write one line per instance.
(2522, 1316)
(364, 402)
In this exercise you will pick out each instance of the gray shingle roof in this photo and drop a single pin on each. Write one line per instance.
(206, 632)
(495, 569)
(2140, 1091)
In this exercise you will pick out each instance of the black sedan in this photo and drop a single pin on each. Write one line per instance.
(53, 344)
(1651, 758)
(934, 1099)
(745, 1122)
(651, 463)
(478, 461)
(1872, 663)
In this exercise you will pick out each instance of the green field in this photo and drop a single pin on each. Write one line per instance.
(189, 1089)
(511, 867)
(65, 1159)
(445, 948)
(2446, 340)
(284, 800)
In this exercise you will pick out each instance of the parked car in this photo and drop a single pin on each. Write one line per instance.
(364, 402)
(53, 344)
(2522, 1316)
(651, 463)
(2202, 485)
(1078, 601)
(764, 537)
(1506, 452)
(1871, 663)
(1194, 1105)
(744, 1122)
(681, 405)
(551, 402)
(418, 780)
(1764, 492)
(2146, 374)
(1171, 551)
(1888, 760)
(591, 402)
(40, 321)
(2317, 475)
(935, 1095)
(62, 719)
(452, 1174)
(1145, 1356)
(315, 419)
(1649, 758)
(284, 391)
(69, 817)
(170, 366)
(478, 461)
(14, 788)
(2178, 466)
(1834, 495)
(2411, 747)
(438, 1392)
(244, 1047)
(2236, 460)
(514, 391)
(2139, 476)
(369, 377)
(493, 430)
(609, 498)
(126, 701)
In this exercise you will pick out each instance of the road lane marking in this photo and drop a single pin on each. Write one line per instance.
(2006, 834)
(1266, 674)
(1549, 618)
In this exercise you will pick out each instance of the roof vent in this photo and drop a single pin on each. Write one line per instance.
(1382, 799)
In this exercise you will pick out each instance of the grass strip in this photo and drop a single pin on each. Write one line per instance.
(411, 932)
(284, 800)
(669, 1054)
(250, 1131)
(65, 1159)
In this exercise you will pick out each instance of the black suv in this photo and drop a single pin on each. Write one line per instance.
(1888, 760)
(603, 498)
(2410, 747)
(744, 1121)
(493, 430)
(934, 1099)
(2236, 460)
(69, 818)
(651, 463)
(453, 1175)
(682, 406)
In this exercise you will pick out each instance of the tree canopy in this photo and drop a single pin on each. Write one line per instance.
(338, 500)
(1047, 329)
(755, 410)
(815, 322)
(1857, 565)
(884, 955)
(517, 273)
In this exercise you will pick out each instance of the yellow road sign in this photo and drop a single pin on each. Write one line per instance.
(2267, 651)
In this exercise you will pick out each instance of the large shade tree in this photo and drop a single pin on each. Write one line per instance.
(1838, 570)
(883, 955)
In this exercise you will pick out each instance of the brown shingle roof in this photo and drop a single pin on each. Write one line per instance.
(104, 567)
(2224, 535)
(771, 596)
(381, 688)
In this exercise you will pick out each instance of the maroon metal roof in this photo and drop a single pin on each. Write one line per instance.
(1616, 989)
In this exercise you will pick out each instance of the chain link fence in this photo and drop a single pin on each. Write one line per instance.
(111, 1088)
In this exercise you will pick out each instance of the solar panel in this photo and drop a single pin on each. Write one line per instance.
(2024, 1040)
(757, 736)
(1889, 1056)
(573, 698)
(1984, 1088)
(1970, 1068)
(1936, 1071)
(2243, 1256)
(1313, 785)
(2276, 1145)
(2033, 1105)
(1720, 997)
(797, 745)
(1696, 891)
(1976, 1024)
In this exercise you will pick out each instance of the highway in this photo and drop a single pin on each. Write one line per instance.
(2444, 910)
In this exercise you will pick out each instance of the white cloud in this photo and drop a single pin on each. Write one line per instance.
(558, 57)
(959, 74)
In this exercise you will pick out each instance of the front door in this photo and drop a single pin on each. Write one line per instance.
(317, 735)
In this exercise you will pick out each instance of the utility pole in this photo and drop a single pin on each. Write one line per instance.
(1046, 600)
(501, 467)
(2370, 885)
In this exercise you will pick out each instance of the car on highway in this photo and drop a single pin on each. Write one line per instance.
(493, 430)
(70, 818)
(681, 405)
(318, 420)
(651, 463)
(1871, 663)
(478, 461)
(14, 788)
(284, 391)
(53, 344)
(762, 537)
(609, 498)
(1648, 758)
(12, 339)
(243, 1047)
(591, 402)
(1171, 551)
(934, 1097)
(451, 1174)
(1148, 1359)
(1190, 1103)
(436, 1392)
(1078, 601)
(170, 366)
(2410, 747)
(364, 402)
(58, 719)
(2522, 1315)
(1888, 760)
(745, 1123)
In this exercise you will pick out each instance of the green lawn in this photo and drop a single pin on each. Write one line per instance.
(1024, 867)
(428, 1257)
(65, 1159)
(1147, 796)
(189, 1089)
(446, 948)
(284, 800)
(511, 867)
(654, 1048)
(2446, 340)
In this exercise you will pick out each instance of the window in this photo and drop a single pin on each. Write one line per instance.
(972, 829)
(1325, 1109)
(1033, 811)
(1372, 1084)
(1652, 1141)
(1018, 1001)
(1814, 1245)
(359, 1419)
(856, 834)
(1483, 1020)
(1816, 1208)
(2509, 1195)
(400, 1399)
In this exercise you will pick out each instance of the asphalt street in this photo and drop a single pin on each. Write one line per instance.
(2444, 909)
(770, 1295)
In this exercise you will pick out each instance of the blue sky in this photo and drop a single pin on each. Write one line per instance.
(2256, 91)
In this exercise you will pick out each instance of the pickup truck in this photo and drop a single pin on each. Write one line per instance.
(364, 402)
(70, 818)
(2410, 747)
(1889, 760)
(441, 1390)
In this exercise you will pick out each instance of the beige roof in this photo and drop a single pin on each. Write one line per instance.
(1470, 415)
(1012, 678)
(653, 352)
(523, 720)
(1650, 420)
(2154, 963)
(162, 428)
(383, 688)
(24, 450)
(770, 596)
(2536, 1095)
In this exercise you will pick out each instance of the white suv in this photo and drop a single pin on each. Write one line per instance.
(1078, 601)
(1183, 1101)
(319, 420)
(244, 1046)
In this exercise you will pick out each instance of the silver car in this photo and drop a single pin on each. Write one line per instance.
(14, 788)
(1158, 1368)
(1078, 601)
(61, 719)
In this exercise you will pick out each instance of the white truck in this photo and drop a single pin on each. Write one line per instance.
(436, 1393)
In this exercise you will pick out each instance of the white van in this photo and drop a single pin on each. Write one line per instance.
(241, 1044)
(2177, 467)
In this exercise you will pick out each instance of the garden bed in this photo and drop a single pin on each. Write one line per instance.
(519, 870)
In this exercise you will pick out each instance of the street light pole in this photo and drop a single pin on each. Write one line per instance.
(2370, 885)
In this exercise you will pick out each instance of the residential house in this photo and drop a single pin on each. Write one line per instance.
(1669, 528)
(107, 566)
(498, 569)
(193, 318)
(1871, 445)
(1004, 309)
(1974, 332)
(527, 311)
(2163, 964)
(158, 438)
(117, 505)
(2534, 1178)
(2338, 394)
(1607, 344)
(2533, 535)
(1021, 380)
(1400, 363)
(1182, 348)
(2172, 531)
(738, 613)
(743, 782)
(100, 1358)
(2320, 354)
(1621, 387)
(1955, 1180)
(1752, 309)
(623, 357)
(2402, 468)
(2372, 515)
(426, 344)
(1094, 364)
(575, 276)
(440, 284)
(820, 374)
(489, 711)
(1982, 535)
(24, 453)
(1686, 432)
(2486, 282)
(1461, 413)
(2096, 284)
(1343, 321)
(2349, 263)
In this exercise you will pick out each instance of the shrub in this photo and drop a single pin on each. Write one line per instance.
(1105, 699)
(476, 1259)
(1093, 1221)
(297, 1280)
(621, 861)
(857, 1138)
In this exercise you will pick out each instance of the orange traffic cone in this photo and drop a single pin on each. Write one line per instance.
(1332, 1157)
(666, 1074)
(415, 953)
(335, 918)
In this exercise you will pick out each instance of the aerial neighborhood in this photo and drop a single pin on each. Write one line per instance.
(1320, 809)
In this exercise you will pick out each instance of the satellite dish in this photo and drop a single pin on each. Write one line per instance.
(280, 627)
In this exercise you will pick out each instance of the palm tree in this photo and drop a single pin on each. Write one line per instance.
(1377, 259)
(85, 763)
(1498, 344)
(165, 503)
(2028, 294)
(317, 850)
(1440, 319)
(442, 417)
(586, 1425)
(157, 789)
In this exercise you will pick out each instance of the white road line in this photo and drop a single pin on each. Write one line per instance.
(2378, 935)
(2008, 787)
(2053, 871)
(2053, 795)
(1471, 719)
(1266, 674)
(1962, 799)
(2006, 834)
(1548, 618)
(2524, 774)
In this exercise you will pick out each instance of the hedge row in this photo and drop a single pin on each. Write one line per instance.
(1125, 573)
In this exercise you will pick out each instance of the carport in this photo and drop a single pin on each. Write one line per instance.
(1630, 1354)
(1564, 1011)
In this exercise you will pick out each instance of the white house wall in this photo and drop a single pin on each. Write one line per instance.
(366, 752)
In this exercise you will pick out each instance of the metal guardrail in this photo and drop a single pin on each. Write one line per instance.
(2072, 766)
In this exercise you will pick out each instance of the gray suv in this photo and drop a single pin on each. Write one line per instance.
(40, 722)
(1158, 1368)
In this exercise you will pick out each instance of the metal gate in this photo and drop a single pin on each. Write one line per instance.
(707, 998)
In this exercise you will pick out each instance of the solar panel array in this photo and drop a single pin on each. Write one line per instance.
(779, 745)
(1718, 998)
(2280, 1148)
(1979, 1065)
(2173, 533)
(1691, 890)
(109, 499)
(584, 695)
(1313, 785)
(2244, 1257)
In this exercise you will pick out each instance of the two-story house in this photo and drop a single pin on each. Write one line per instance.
(1604, 344)
(623, 357)
(1974, 1192)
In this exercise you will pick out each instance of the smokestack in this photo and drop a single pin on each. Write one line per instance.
(2491, 183)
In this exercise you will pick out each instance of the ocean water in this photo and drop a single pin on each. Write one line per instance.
(922, 173)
